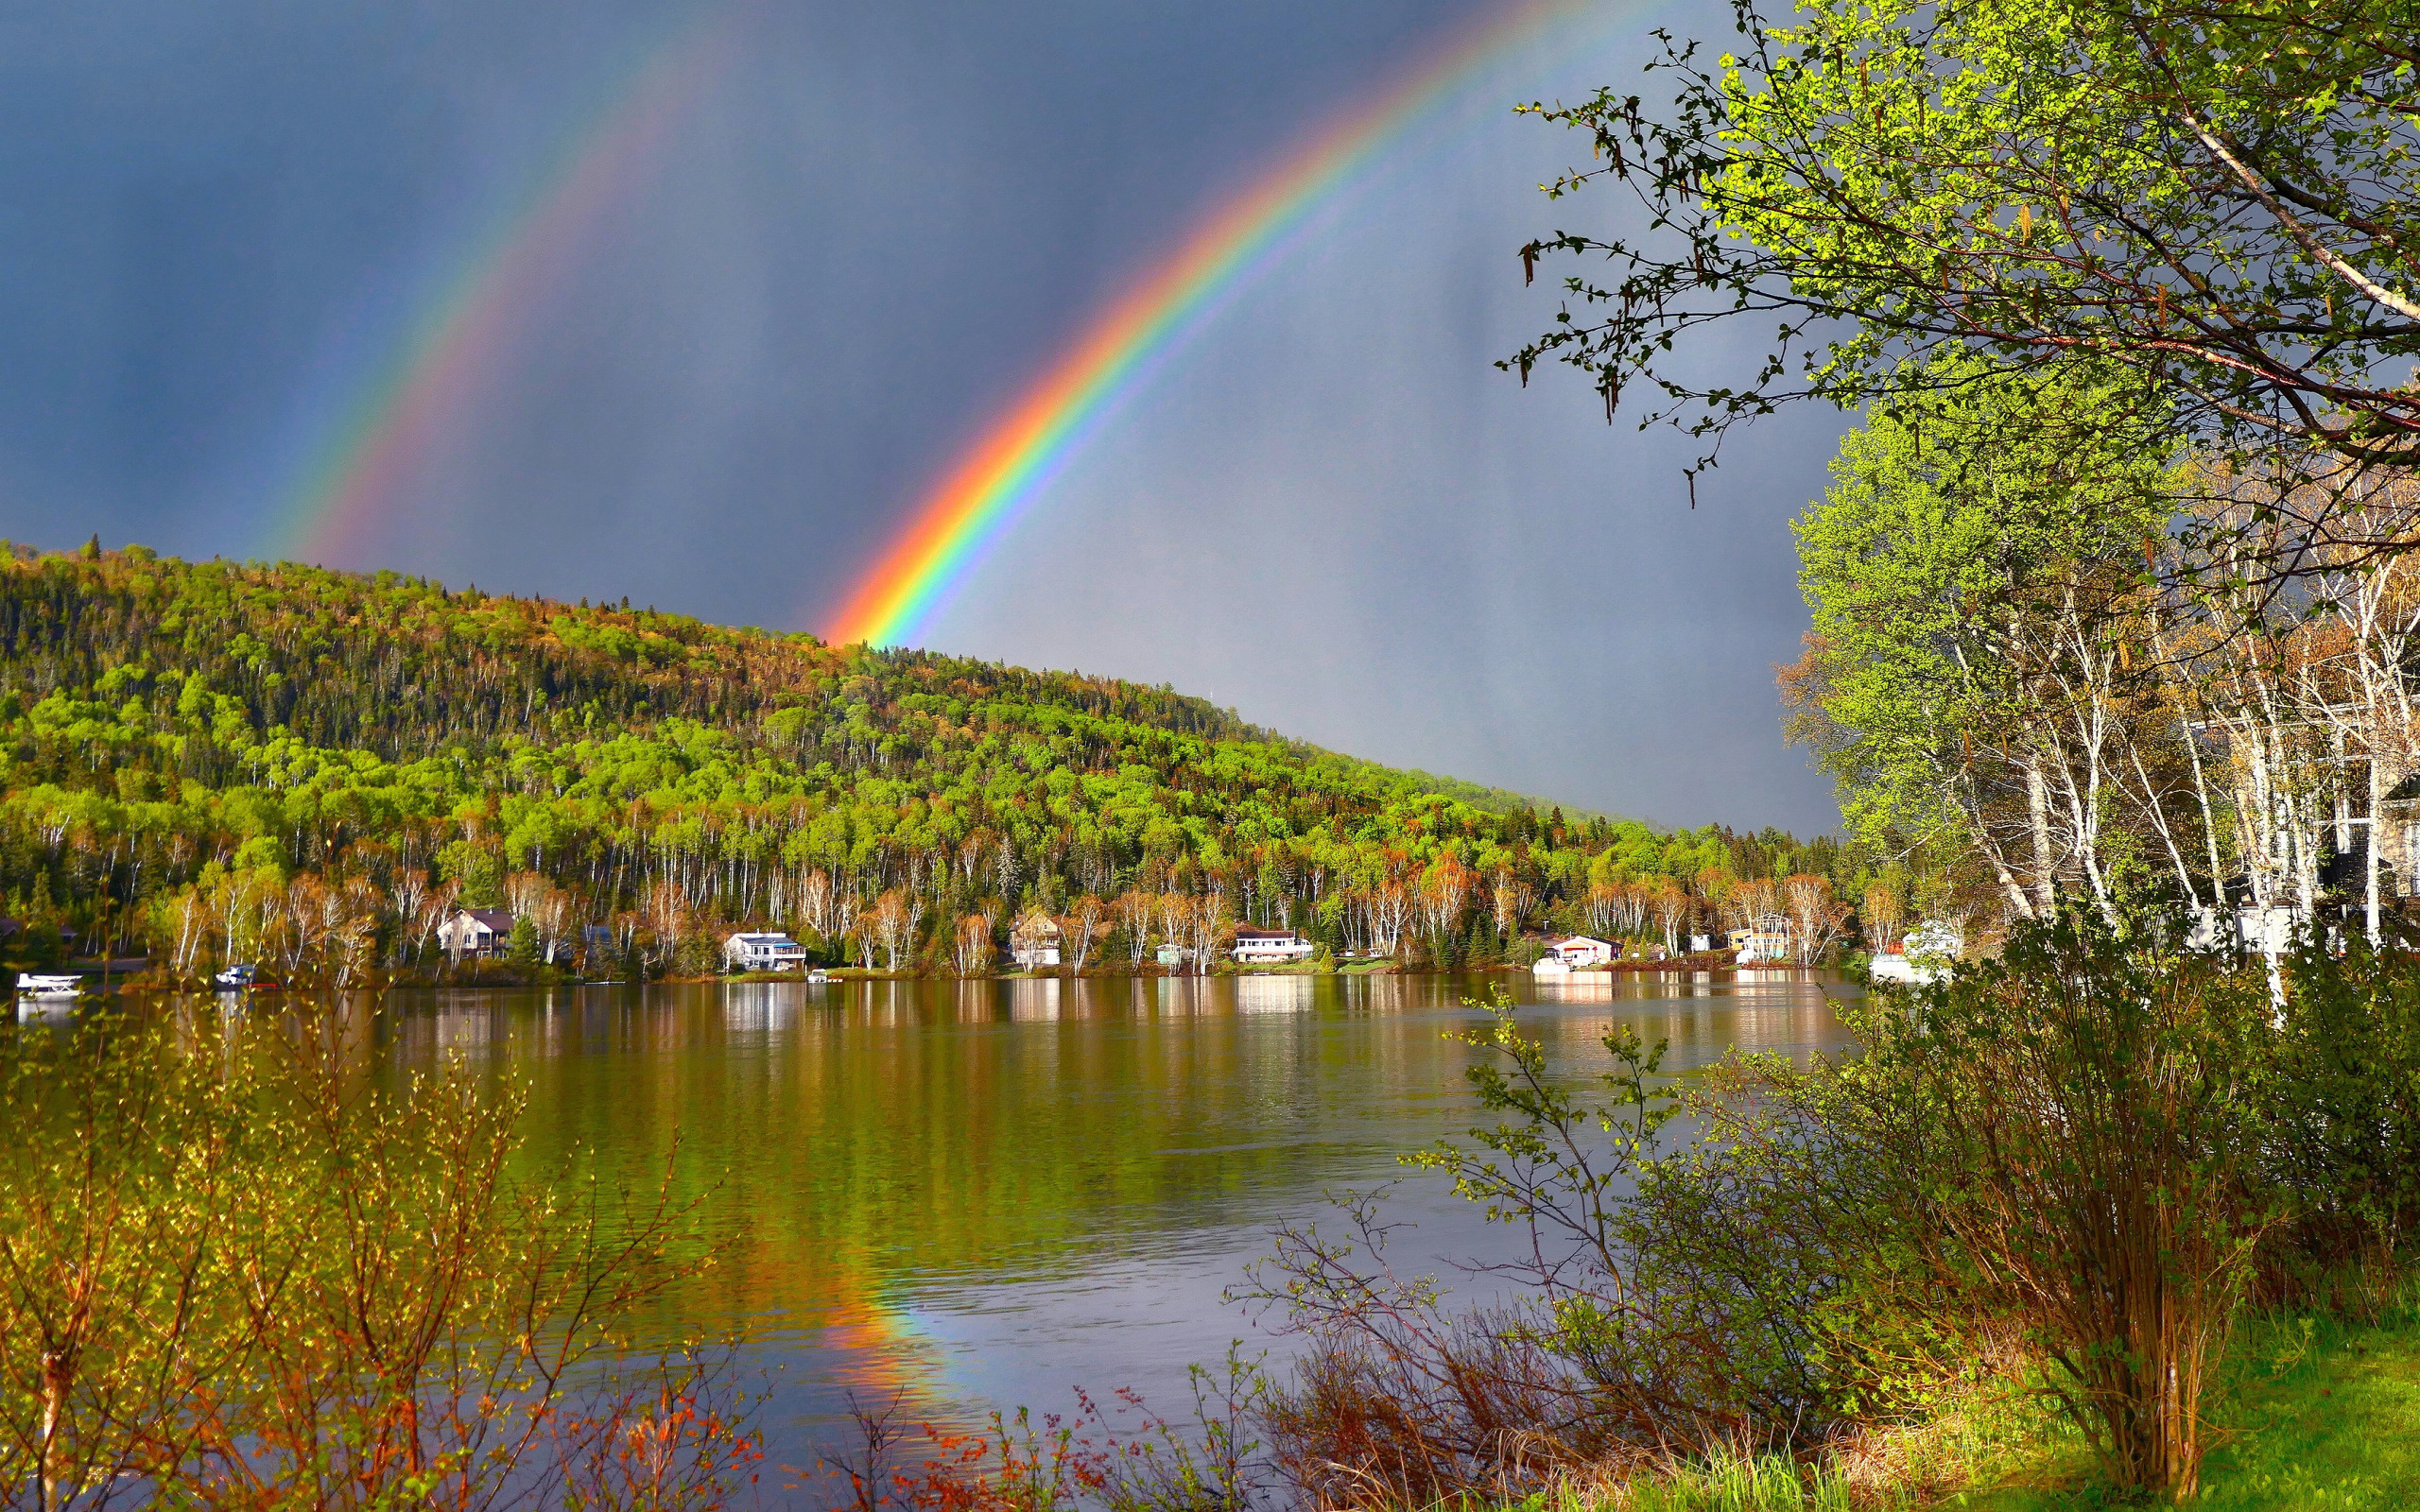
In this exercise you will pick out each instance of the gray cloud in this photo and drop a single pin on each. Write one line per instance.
(1330, 511)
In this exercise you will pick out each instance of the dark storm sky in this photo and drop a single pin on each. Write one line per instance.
(1328, 511)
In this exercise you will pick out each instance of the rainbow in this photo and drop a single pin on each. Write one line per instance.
(452, 351)
(1033, 441)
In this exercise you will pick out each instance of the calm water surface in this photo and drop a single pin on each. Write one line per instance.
(988, 1193)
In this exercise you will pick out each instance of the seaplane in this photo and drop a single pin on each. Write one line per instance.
(49, 990)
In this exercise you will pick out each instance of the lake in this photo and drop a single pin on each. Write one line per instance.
(988, 1193)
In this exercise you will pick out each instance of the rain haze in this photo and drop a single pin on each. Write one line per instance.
(746, 282)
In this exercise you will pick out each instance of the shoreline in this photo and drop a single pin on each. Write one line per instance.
(507, 977)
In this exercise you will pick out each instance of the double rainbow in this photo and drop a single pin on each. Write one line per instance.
(1017, 457)
(455, 352)
(457, 349)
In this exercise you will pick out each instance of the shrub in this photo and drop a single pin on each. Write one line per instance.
(2061, 1167)
(2338, 1072)
(2086, 1121)
(229, 1277)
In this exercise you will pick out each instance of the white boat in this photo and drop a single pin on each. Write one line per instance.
(817, 977)
(59, 985)
(1551, 965)
(234, 979)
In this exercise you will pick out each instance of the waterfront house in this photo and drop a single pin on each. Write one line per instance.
(1035, 942)
(1174, 956)
(1765, 939)
(475, 933)
(764, 952)
(1266, 947)
(1581, 950)
(1924, 955)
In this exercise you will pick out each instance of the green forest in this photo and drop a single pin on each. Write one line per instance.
(210, 762)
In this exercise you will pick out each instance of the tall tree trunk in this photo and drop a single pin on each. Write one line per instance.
(2037, 803)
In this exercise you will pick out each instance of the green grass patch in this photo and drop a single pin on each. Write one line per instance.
(2315, 1414)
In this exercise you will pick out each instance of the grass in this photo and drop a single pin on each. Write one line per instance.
(2316, 1415)
(1738, 1484)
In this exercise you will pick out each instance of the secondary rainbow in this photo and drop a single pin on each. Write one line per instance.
(983, 493)
(455, 349)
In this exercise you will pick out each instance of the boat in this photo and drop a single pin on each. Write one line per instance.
(817, 977)
(1551, 965)
(240, 979)
(60, 984)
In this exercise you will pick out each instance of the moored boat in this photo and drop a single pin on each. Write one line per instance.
(49, 986)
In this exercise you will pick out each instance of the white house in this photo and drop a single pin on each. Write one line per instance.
(1255, 946)
(1580, 950)
(2258, 931)
(1035, 942)
(476, 933)
(763, 952)
(1924, 955)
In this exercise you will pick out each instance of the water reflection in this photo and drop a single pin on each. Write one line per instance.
(987, 1193)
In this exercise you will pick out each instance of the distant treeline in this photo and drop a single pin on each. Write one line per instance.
(215, 761)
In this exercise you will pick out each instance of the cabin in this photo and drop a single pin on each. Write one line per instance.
(1173, 955)
(1271, 947)
(1765, 939)
(475, 933)
(763, 952)
(1581, 950)
(1035, 942)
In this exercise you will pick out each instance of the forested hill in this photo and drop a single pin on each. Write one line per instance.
(179, 737)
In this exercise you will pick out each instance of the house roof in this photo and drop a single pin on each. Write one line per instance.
(1561, 940)
(498, 919)
(777, 941)
(1252, 932)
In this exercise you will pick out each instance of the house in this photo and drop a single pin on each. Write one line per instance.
(1924, 957)
(1934, 941)
(763, 953)
(2255, 930)
(477, 934)
(1767, 938)
(1580, 950)
(1174, 956)
(1034, 940)
(1263, 947)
